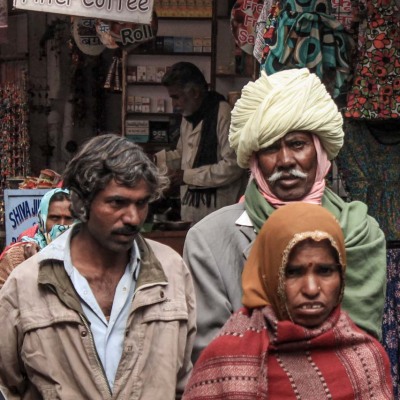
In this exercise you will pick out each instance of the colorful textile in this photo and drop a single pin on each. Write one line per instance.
(258, 357)
(370, 170)
(260, 30)
(375, 92)
(275, 105)
(302, 34)
(391, 317)
(365, 250)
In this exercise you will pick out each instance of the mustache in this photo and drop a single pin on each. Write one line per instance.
(127, 230)
(292, 172)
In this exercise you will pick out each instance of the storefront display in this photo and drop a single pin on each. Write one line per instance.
(14, 138)
(21, 208)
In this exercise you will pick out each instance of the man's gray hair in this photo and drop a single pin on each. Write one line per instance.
(102, 159)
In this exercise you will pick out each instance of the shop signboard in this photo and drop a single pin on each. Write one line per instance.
(21, 209)
(138, 11)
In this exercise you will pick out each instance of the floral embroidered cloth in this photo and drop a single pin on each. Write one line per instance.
(375, 92)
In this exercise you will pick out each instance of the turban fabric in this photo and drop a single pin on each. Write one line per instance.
(287, 101)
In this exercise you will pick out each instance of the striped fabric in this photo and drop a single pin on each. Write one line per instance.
(258, 357)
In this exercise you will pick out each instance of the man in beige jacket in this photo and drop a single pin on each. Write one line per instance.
(100, 313)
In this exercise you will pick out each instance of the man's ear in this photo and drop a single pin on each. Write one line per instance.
(195, 92)
(78, 206)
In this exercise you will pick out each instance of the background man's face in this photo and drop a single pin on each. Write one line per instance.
(184, 102)
(291, 162)
(59, 214)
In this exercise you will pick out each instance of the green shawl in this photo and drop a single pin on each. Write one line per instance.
(365, 289)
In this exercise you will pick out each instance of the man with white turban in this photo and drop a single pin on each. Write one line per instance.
(285, 128)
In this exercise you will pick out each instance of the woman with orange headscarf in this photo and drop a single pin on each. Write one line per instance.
(292, 340)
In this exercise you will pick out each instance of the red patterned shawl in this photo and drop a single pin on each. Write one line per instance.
(258, 357)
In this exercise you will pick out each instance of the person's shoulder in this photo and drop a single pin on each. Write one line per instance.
(225, 216)
(161, 249)
(224, 107)
(22, 279)
(352, 209)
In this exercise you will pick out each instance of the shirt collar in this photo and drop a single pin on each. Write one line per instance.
(244, 220)
(59, 249)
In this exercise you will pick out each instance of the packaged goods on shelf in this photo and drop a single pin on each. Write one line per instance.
(187, 44)
(131, 74)
(137, 130)
(141, 73)
(151, 73)
(160, 71)
(161, 105)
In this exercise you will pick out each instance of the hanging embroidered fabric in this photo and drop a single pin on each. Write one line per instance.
(375, 92)
(303, 33)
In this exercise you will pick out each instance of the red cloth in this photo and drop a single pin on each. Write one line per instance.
(258, 357)
(30, 232)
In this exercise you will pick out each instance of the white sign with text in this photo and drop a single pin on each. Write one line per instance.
(138, 11)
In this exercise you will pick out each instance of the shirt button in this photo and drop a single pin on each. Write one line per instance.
(124, 288)
(162, 294)
(84, 333)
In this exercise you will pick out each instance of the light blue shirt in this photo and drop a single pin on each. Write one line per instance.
(108, 335)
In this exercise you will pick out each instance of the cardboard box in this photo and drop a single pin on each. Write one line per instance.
(178, 44)
(141, 73)
(130, 104)
(187, 44)
(137, 138)
(190, 6)
(197, 44)
(131, 74)
(182, 9)
(146, 104)
(206, 41)
(197, 41)
(168, 44)
(161, 105)
(159, 43)
(207, 10)
(138, 104)
(160, 72)
(159, 131)
(151, 72)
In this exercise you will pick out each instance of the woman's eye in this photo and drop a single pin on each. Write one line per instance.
(292, 272)
(327, 270)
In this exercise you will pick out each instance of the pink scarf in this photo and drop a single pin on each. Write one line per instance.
(317, 190)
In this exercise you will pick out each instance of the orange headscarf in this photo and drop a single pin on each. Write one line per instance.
(263, 278)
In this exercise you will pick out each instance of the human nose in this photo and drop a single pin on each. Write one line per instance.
(131, 215)
(311, 286)
(285, 157)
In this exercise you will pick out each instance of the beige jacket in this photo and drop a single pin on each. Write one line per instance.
(47, 349)
(229, 179)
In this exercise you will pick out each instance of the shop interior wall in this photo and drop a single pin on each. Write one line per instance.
(65, 107)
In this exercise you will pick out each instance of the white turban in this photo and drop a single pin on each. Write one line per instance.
(287, 101)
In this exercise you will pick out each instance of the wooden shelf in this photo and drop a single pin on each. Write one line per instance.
(159, 53)
(144, 83)
(151, 114)
(185, 18)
